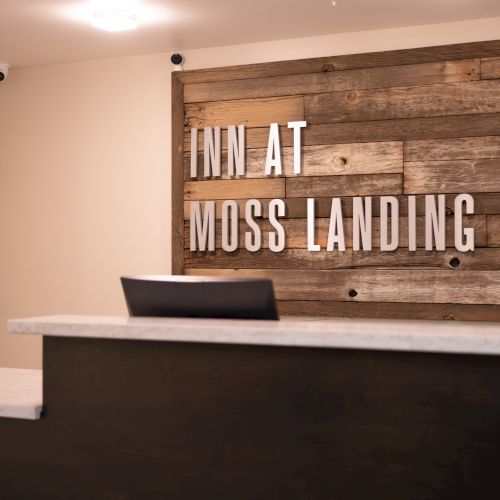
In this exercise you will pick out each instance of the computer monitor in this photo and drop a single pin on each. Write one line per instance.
(200, 297)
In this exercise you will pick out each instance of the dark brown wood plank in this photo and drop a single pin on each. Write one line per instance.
(316, 83)
(493, 225)
(344, 185)
(458, 176)
(250, 112)
(296, 232)
(410, 102)
(342, 62)
(490, 68)
(405, 129)
(177, 192)
(377, 285)
(335, 159)
(381, 310)
(481, 259)
(465, 148)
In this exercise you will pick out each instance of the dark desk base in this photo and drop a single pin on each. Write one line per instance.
(155, 420)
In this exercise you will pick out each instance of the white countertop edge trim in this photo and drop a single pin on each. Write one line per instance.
(451, 337)
(21, 412)
(21, 393)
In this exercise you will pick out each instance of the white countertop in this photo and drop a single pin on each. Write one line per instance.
(398, 335)
(21, 393)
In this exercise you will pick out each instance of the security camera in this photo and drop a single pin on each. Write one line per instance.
(4, 71)
(177, 61)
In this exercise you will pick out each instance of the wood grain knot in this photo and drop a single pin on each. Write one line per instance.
(353, 293)
(328, 68)
(455, 262)
(339, 162)
(351, 96)
(449, 317)
(449, 211)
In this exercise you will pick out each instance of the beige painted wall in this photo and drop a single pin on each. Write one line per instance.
(84, 170)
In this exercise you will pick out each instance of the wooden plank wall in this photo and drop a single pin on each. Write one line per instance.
(397, 123)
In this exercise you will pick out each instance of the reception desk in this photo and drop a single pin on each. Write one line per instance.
(309, 408)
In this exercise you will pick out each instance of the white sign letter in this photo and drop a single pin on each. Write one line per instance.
(235, 150)
(273, 150)
(435, 222)
(460, 232)
(362, 223)
(194, 152)
(253, 208)
(412, 224)
(230, 215)
(311, 246)
(385, 246)
(297, 145)
(277, 240)
(202, 231)
(212, 151)
(336, 229)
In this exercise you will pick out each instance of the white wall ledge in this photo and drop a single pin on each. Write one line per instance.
(397, 335)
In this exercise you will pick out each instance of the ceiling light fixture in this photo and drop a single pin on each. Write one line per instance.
(112, 15)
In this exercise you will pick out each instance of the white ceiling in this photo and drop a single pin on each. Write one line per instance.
(51, 31)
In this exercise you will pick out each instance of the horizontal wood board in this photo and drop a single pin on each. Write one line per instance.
(409, 122)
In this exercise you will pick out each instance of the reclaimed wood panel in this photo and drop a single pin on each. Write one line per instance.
(385, 310)
(332, 81)
(490, 68)
(234, 189)
(344, 185)
(377, 285)
(251, 112)
(296, 232)
(486, 124)
(459, 176)
(335, 159)
(420, 121)
(410, 102)
(343, 62)
(465, 148)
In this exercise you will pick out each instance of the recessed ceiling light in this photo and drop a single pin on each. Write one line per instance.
(110, 15)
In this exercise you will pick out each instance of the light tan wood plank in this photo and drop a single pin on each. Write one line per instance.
(316, 83)
(459, 312)
(250, 112)
(490, 68)
(465, 148)
(296, 232)
(374, 131)
(377, 285)
(410, 102)
(234, 189)
(290, 258)
(459, 176)
(481, 259)
(335, 159)
(342, 62)
(344, 185)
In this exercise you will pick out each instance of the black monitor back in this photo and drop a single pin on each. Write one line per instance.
(200, 297)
